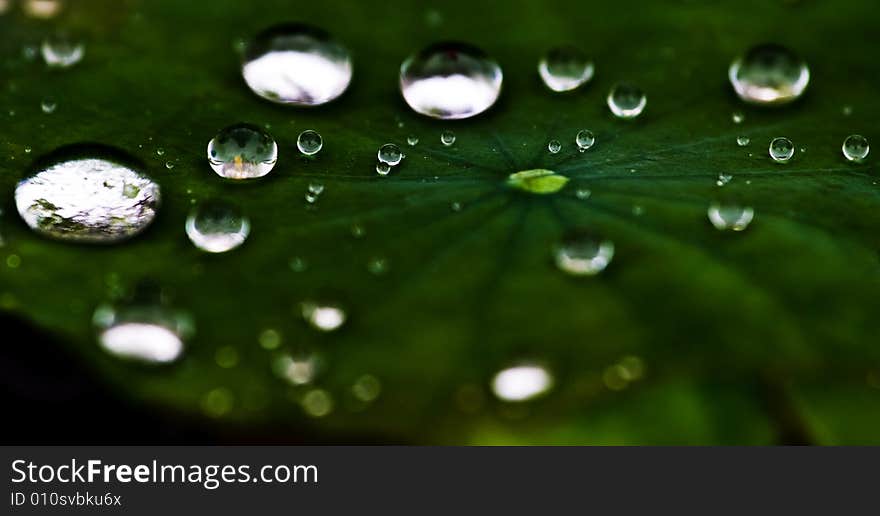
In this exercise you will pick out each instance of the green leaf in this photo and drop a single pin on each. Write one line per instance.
(761, 336)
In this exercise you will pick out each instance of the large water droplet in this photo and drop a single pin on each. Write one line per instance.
(565, 68)
(149, 334)
(242, 151)
(626, 100)
(87, 193)
(450, 81)
(323, 317)
(537, 181)
(581, 254)
(62, 51)
(522, 382)
(309, 142)
(769, 74)
(781, 149)
(730, 216)
(217, 227)
(584, 139)
(391, 154)
(856, 148)
(296, 64)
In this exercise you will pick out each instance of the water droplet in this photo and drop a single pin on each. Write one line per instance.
(554, 146)
(42, 9)
(742, 141)
(723, 179)
(583, 194)
(217, 227)
(160, 151)
(298, 264)
(87, 194)
(581, 254)
(382, 168)
(316, 188)
(450, 81)
(737, 117)
(28, 150)
(565, 68)
(847, 110)
(626, 100)
(537, 181)
(317, 403)
(242, 151)
(323, 317)
(366, 388)
(730, 216)
(296, 64)
(522, 382)
(455, 206)
(48, 106)
(781, 149)
(296, 370)
(584, 139)
(391, 154)
(447, 138)
(169, 165)
(61, 51)
(412, 140)
(269, 339)
(145, 333)
(856, 148)
(309, 142)
(769, 74)
(377, 266)
(218, 402)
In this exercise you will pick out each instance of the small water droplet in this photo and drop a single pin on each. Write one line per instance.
(48, 106)
(450, 81)
(769, 74)
(87, 193)
(151, 334)
(316, 188)
(317, 403)
(28, 150)
(742, 141)
(298, 264)
(323, 317)
(242, 151)
(723, 179)
(847, 110)
(160, 151)
(377, 266)
(42, 9)
(565, 68)
(522, 382)
(737, 117)
(382, 168)
(296, 64)
(781, 149)
(447, 138)
(582, 254)
(412, 140)
(217, 227)
(856, 148)
(309, 142)
(554, 146)
(584, 139)
(730, 216)
(169, 165)
(583, 194)
(62, 51)
(297, 370)
(626, 100)
(366, 388)
(391, 154)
